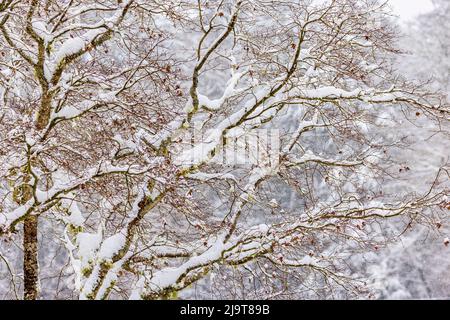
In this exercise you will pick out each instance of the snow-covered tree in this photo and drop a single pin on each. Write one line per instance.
(156, 140)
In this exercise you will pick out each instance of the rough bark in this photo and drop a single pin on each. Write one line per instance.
(45, 110)
(30, 258)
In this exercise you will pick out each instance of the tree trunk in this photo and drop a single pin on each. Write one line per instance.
(30, 258)
(45, 111)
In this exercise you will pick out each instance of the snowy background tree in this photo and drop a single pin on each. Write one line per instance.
(168, 149)
(417, 267)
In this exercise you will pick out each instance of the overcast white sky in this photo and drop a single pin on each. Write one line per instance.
(408, 9)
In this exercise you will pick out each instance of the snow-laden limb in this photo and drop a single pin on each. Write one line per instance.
(335, 213)
(205, 150)
(303, 127)
(75, 217)
(192, 108)
(200, 152)
(104, 252)
(171, 278)
(166, 278)
(111, 246)
(230, 90)
(392, 95)
(67, 185)
(40, 27)
(203, 176)
(73, 48)
(160, 139)
(330, 92)
(8, 219)
(309, 156)
(379, 210)
(61, 192)
(115, 250)
(71, 112)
